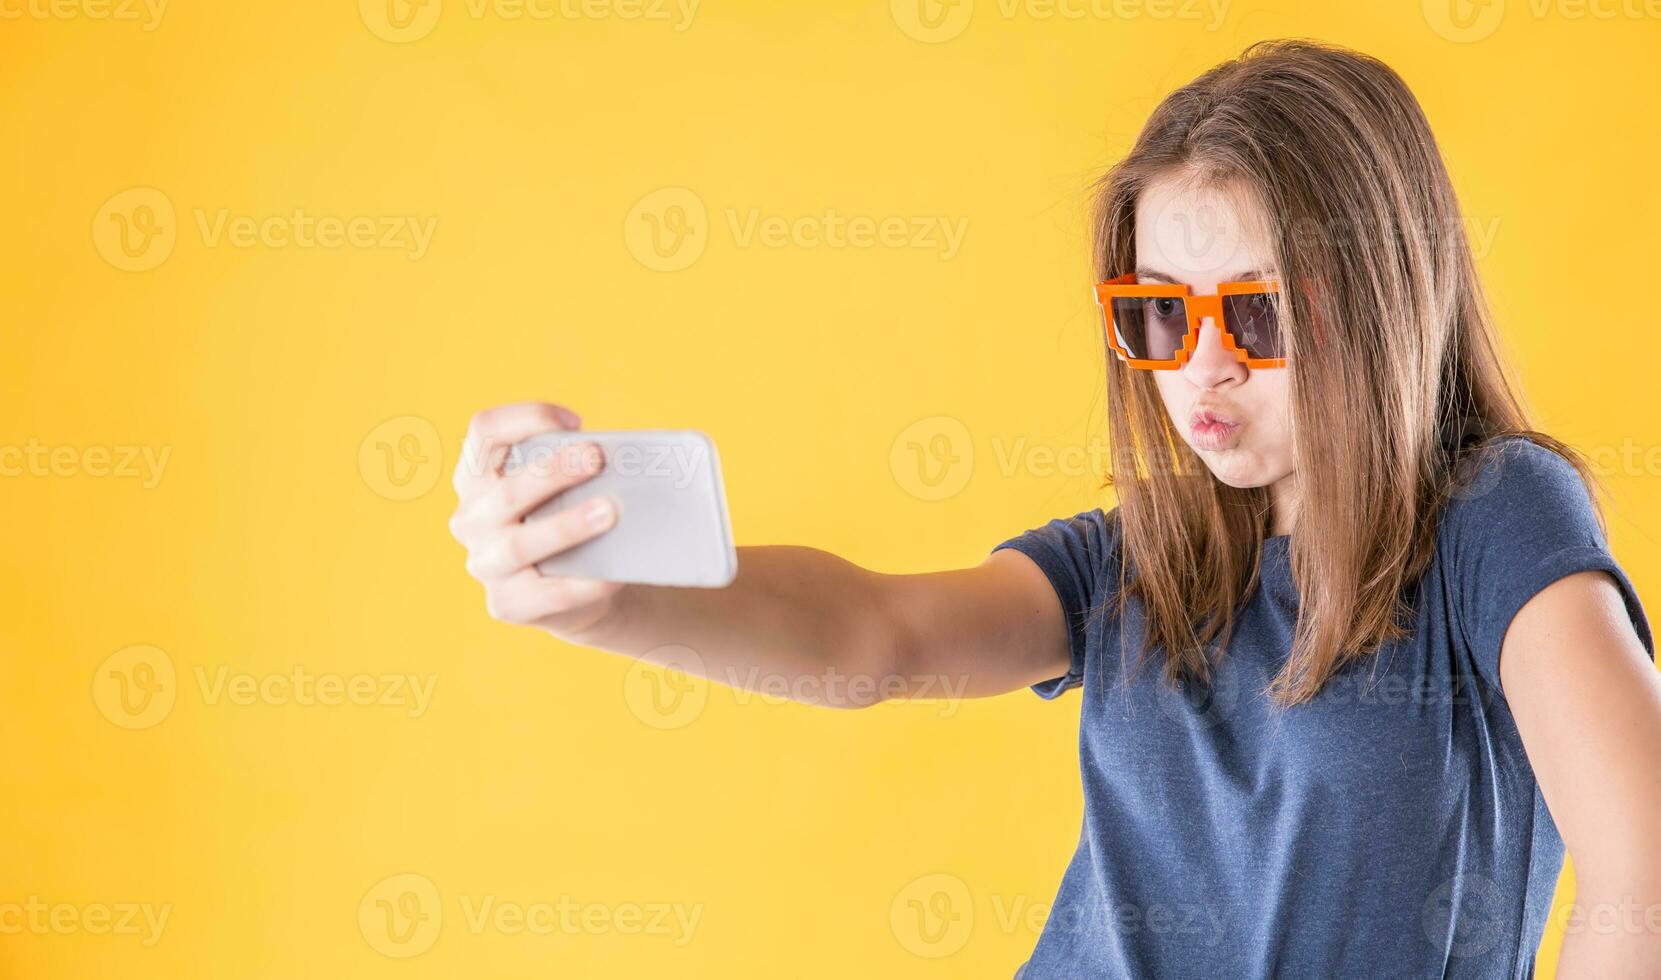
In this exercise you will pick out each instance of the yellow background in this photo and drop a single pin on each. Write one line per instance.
(273, 540)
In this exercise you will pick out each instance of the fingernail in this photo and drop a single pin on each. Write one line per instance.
(597, 512)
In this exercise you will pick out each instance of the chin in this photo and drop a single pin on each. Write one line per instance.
(1238, 467)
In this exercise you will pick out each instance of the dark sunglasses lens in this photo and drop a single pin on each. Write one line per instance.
(1150, 327)
(1254, 319)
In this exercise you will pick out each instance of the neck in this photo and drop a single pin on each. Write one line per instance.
(1283, 499)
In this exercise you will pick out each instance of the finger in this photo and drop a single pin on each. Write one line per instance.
(529, 597)
(521, 545)
(493, 432)
(509, 498)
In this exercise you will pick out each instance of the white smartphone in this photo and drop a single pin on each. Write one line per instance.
(672, 525)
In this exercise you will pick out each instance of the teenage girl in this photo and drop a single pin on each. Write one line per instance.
(1355, 658)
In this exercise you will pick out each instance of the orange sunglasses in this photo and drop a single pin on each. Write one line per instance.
(1155, 326)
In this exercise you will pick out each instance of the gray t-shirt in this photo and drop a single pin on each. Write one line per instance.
(1392, 827)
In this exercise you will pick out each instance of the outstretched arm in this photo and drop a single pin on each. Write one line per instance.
(794, 619)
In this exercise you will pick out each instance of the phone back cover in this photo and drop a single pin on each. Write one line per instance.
(672, 524)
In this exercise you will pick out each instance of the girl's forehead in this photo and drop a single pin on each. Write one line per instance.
(1199, 232)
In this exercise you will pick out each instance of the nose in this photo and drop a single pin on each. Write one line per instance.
(1212, 364)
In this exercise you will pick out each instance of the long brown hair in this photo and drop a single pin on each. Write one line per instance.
(1396, 373)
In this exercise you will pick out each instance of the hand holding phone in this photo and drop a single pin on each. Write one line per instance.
(672, 525)
(547, 571)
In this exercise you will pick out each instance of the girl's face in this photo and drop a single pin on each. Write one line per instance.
(1235, 418)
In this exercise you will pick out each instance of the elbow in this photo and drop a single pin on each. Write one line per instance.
(840, 690)
(872, 666)
(863, 684)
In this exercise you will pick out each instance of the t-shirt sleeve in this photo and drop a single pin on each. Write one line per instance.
(1522, 521)
(1073, 553)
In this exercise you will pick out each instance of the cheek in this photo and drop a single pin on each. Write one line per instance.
(1175, 393)
(1277, 403)
(1273, 407)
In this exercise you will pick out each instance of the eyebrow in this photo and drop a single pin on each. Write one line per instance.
(1250, 275)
